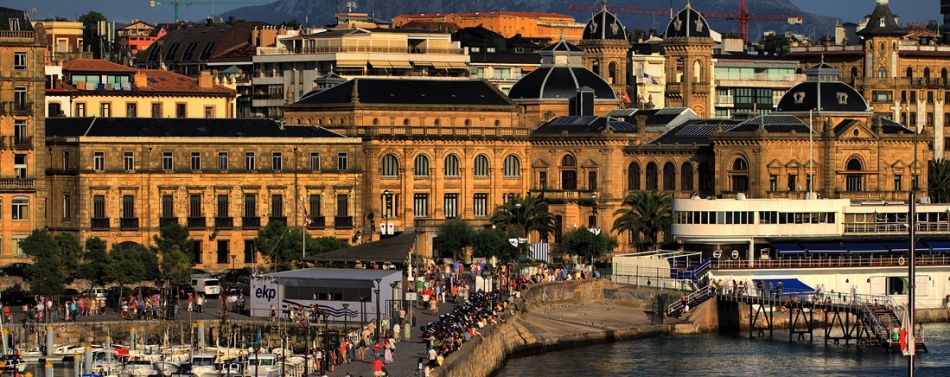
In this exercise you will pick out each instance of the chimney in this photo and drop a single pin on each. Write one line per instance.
(230, 20)
(140, 79)
(204, 80)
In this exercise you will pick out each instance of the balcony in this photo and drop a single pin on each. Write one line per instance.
(674, 88)
(251, 222)
(343, 222)
(282, 219)
(196, 223)
(724, 100)
(21, 108)
(99, 223)
(167, 221)
(700, 87)
(435, 223)
(16, 184)
(10, 34)
(129, 223)
(318, 222)
(22, 142)
(224, 222)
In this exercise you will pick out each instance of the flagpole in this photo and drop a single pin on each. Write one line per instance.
(912, 289)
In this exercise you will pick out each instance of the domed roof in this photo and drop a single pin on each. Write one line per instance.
(836, 96)
(560, 82)
(604, 25)
(688, 23)
(562, 46)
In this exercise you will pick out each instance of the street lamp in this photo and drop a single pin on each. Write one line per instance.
(376, 291)
(326, 341)
(363, 311)
(393, 285)
(345, 316)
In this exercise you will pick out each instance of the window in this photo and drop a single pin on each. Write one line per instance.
(167, 161)
(209, 111)
(19, 61)
(882, 73)
(341, 161)
(542, 180)
(131, 110)
(20, 134)
(99, 207)
(105, 109)
(168, 206)
(511, 167)
(913, 119)
(930, 97)
(897, 182)
(451, 206)
(98, 161)
(740, 175)
(250, 163)
(342, 205)
(686, 179)
(223, 252)
(195, 160)
(194, 206)
(390, 166)
(250, 205)
(930, 119)
(315, 161)
(20, 98)
(481, 166)
(421, 203)
(792, 182)
(21, 208)
(480, 205)
(421, 166)
(128, 160)
(19, 166)
(80, 109)
(250, 252)
(773, 183)
(633, 176)
(128, 206)
(223, 204)
(277, 161)
(196, 252)
(854, 182)
(67, 206)
(156, 110)
(315, 210)
(276, 205)
(808, 183)
(592, 181)
(669, 176)
(913, 96)
(882, 96)
(451, 166)
(180, 110)
(222, 160)
(65, 160)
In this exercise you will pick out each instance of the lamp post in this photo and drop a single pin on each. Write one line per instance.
(363, 312)
(376, 291)
(326, 343)
(394, 284)
(387, 212)
(345, 316)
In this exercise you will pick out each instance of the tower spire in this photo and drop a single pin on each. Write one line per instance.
(604, 3)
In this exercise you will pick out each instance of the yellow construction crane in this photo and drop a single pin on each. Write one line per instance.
(176, 3)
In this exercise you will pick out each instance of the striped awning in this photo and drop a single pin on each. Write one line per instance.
(540, 252)
(441, 65)
(380, 64)
(458, 65)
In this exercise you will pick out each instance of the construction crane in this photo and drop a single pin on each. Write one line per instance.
(177, 3)
(742, 15)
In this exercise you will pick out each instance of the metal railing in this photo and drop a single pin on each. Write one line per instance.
(343, 222)
(166, 221)
(251, 222)
(197, 223)
(224, 222)
(833, 261)
(128, 223)
(697, 295)
(99, 223)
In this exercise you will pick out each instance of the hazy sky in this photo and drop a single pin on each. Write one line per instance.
(122, 11)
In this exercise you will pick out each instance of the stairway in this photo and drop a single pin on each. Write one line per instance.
(675, 309)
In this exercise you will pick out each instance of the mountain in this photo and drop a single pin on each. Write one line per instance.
(321, 12)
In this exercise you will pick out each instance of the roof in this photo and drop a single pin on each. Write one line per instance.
(583, 125)
(836, 96)
(21, 17)
(431, 25)
(656, 120)
(179, 127)
(604, 25)
(696, 131)
(199, 42)
(487, 15)
(559, 82)
(882, 22)
(887, 126)
(688, 23)
(167, 81)
(95, 65)
(562, 46)
(409, 92)
(773, 123)
(331, 277)
(390, 250)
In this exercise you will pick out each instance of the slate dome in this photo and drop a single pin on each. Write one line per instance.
(561, 74)
(836, 96)
(604, 25)
(688, 23)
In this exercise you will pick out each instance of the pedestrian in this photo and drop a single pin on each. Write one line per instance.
(396, 332)
(273, 311)
(388, 353)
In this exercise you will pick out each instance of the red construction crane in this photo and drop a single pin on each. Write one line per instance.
(742, 15)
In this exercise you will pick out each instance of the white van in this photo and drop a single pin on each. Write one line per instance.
(209, 286)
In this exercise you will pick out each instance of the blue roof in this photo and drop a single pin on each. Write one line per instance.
(824, 248)
(902, 248)
(939, 246)
(790, 285)
(866, 247)
(788, 248)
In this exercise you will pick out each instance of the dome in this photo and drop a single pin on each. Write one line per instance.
(604, 25)
(688, 23)
(836, 97)
(560, 82)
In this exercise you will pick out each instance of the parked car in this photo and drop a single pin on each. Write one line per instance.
(98, 293)
(68, 295)
(16, 297)
(15, 269)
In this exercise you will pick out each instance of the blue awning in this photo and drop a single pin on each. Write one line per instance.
(789, 285)
(866, 247)
(788, 248)
(824, 248)
(901, 247)
(939, 246)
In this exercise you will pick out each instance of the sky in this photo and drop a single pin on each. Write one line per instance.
(123, 11)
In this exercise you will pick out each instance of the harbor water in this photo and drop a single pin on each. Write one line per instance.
(739, 355)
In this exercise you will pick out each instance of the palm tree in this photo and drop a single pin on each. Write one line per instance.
(523, 215)
(938, 180)
(649, 215)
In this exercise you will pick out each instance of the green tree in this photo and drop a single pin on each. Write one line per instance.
(938, 180)
(324, 244)
(125, 265)
(91, 18)
(175, 266)
(46, 275)
(71, 253)
(774, 43)
(174, 235)
(493, 242)
(452, 237)
(95, 262)
(586, 245)
(281, 246)
(644, 216)
(292, 24)
(523, 215)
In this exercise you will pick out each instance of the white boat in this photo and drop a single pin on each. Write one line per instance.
(138, 368)
(166, 367)
(202, 365)
(13, 363)
(262, 365)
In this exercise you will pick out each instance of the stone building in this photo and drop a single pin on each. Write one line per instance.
(687, 47)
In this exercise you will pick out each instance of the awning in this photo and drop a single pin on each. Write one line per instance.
(939, 246)
(458, 65)
(396, 64)
(379, 64)
(351, 63)
(866, 247)
(441, 65)
(422, 64)
(824, 248)
(789, 285)
(788, 248)
(394, 250)
(902, 248)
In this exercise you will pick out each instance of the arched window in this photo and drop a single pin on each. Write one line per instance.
(882, 73)
(910, 72)
(511, 167)
(451, 166)
(568, 173)
(740, 175)
(481, 166)
(707, 177)
(678, 70)
(698, 71)
(740, 164)
(854, 182)
(669, 177)
(612, 73)
(390, 166)
(652, 177)
(633, 176)
(854, 74)
(927, 73)
(943, 73)
(420, 167)
(686, 177)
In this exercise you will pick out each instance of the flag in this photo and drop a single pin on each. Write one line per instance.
(307, 219)
(907, 335)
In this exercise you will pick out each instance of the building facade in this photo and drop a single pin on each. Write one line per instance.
(543, 28)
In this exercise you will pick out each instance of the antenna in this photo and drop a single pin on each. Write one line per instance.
(350, 6)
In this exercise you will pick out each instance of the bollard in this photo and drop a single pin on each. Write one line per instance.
(108, 348)
(6, 341)
(50, 335)
(87, 360)
(132, 338)
(48, 369)
(201, 333)
(77, 361)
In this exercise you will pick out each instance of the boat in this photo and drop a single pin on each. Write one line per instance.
(13, 363)
(202, 365)
(262, 365)
(137, 368)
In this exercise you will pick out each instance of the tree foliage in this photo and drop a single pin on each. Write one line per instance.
(774, 43)
(282, 247)
(324, 244)
(95, 262)
(938, 180)
(645, 216)
(175, 266)
(91, 18)
(588, 246)
(487, 243)
(174, 235)
(71, 253)
(126, 265)
(523, 215)
(46, 275)
(452, 237)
